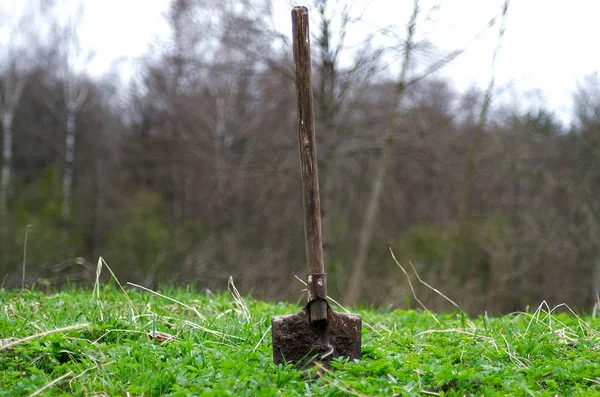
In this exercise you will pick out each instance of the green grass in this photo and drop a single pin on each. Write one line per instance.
(107, 342)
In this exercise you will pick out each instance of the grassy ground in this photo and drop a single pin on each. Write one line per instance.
(109, 342)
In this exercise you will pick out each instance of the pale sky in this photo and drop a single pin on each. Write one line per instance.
(549, 45)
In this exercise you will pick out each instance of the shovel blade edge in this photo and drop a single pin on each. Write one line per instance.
(297, 341)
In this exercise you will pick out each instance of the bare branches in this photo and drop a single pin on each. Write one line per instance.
(366, 234)
(474, 149)
(13, 74)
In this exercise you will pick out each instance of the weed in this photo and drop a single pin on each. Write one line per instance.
(132, 341)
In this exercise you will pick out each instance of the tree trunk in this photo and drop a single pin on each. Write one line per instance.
(67, 180)
(7, 119)
(472, 153)
(13, 88)
(219, 142)
(356, 279)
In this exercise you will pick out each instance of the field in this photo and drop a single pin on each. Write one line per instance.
(127, 341)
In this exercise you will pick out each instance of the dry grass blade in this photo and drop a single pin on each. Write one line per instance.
(261, 339)
(413, 290)
(126, 331)
(42, 334)
(49, 385)
(210, 331)
(238, 299)
(429, 286)
(430, 393)
(170, 299)
(437, 291)
(567, 333)
(510, 352)
(97, 366)
(4, 342)
(96, 290)
(582, 324)
(457, 331)
(302, 281)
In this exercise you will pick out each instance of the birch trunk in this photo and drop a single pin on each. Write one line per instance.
(67, 180)
(8, 105)
(75, 93)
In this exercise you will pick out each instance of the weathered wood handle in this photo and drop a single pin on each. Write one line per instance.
(308, 163)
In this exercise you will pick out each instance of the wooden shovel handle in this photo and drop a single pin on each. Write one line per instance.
(308, 150)
(307, 142)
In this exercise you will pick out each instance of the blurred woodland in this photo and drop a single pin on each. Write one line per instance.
(190, 173)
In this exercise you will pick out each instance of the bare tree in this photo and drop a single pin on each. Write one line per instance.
(72, 61)
(16, 56)
(587, 119)
(587, 103)
(357, 275)
(13, 85)
(338, 92)
(475, 145)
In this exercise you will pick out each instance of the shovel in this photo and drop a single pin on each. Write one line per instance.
(316, 334)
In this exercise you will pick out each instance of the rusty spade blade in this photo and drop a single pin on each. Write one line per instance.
(316, 333)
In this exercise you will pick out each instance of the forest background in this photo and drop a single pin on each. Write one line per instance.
(189, 173)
